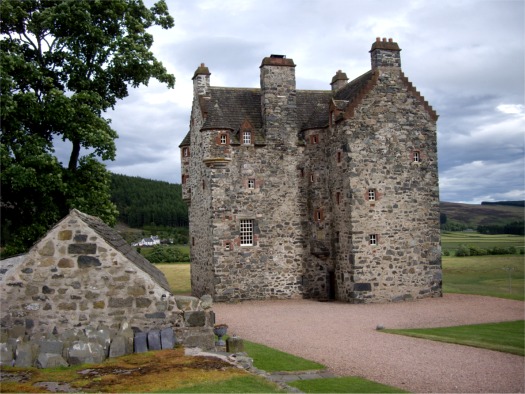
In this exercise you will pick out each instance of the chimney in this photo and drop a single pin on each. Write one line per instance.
(385, 53)
(278, 100)
(338, 81)
(201, 80)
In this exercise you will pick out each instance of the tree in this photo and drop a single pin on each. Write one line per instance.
(63, 64)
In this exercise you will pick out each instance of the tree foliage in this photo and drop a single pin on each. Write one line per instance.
(145, 202)
(63, 64)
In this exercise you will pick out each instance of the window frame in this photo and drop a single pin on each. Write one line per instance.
(373, 239)
(372, 195)
(246, 227)
(416, 156)
(223, 139)
(246, 137)
(251, 183)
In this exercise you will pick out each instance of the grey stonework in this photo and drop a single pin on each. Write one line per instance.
(305, 180)
(82, 276)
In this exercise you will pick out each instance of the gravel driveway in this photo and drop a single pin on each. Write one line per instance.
(344, 337)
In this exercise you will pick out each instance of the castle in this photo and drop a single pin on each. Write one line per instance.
(316, 194)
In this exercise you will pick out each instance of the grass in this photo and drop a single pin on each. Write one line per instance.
(485, 275)
(347, 384)
(178, 276)
(241, 384)
(273, 360)
(505, 337)
(452, 240)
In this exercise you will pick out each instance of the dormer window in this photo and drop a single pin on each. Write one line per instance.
(246, 137)
(224, 139)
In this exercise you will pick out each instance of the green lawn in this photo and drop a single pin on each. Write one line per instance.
(347, 384)
(242, 384)
(504, 337)
(452, 240)
(178, 276)
(485, 275)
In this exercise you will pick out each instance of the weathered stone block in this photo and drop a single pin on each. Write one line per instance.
(24, 355)
(6, 354)
(167, 338)
(67, 306)
(51, 347)
(137, 290)
(155, 315)
(82, 249)
(141, 342)
(142, 302)
(118, 346)
(47, 290)
(195, 318)
(65, 263)
(80, 238)
(50, 360)
(81, 352)
(120, 302)
(186, 303)
(234, 345)
(65, 235)
(154, 340)
(88, 262)
(48, 249)
(99, 305)
(206, 301)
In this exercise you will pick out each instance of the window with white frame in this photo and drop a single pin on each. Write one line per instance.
(247, 137)
(186, 152)
(373, 239)
(246, 232)
(251, 183)
(224, 139)
(371, 195)
(416, 156)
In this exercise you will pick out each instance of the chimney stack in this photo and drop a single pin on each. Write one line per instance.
(385, 53)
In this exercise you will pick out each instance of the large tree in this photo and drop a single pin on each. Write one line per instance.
(63, 64)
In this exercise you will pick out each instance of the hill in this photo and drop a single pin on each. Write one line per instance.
(145, 202)
(474, 215)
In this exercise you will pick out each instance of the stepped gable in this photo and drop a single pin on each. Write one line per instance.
(112, 237)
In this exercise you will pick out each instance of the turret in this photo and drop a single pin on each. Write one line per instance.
(201, 81)
(385, 53)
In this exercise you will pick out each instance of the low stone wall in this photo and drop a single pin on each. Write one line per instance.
(21, 347)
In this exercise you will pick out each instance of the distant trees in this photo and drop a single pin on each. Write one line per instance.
(516, 228)
(144, 202)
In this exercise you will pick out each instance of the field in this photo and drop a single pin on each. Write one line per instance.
(452, 240)
(178, 276)
(472, 215)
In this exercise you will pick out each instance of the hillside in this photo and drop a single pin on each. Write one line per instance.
(146, 202)
(473, 215)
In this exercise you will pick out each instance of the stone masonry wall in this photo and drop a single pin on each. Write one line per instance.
(73, 278)
(382, 137)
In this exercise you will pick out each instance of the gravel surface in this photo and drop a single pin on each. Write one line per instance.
(344, 338)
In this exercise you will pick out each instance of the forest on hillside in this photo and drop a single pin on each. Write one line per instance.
(144, 202)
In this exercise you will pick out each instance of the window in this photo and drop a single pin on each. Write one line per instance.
(185, 152)
(224, 139)
(246, 137)
(338, 198)
(312, 177)
(373, 239)
(314, 139)
(416, 156)
(339, 157)
(251, 183)
(318, 215)
(371, 195)
(246, 232)
(227, 246)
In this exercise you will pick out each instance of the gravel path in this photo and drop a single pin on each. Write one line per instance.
(344, 337)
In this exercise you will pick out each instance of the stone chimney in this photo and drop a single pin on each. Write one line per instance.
(385, 53)
(339, 80)
(278, 99)
(201, 80)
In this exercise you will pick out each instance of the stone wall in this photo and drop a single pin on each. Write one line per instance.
(74, 278)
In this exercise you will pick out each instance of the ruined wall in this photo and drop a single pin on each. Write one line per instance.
(387, 130)
(73, 278)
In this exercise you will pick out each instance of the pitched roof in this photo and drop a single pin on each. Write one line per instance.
(112, 237)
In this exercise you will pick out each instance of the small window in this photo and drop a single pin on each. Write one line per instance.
(373, 239)
(246, 232)
(251, 183)
(371, 195)
(227, 246)
(339, 157)
(312, 177)
(185, 152)
(314, 139)
(338, 198)
(224, 139)
(416, 156)
(247, 137)
(318, 215)
(302, 172)
(192, 241)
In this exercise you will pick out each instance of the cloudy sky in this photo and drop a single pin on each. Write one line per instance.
(465, 56)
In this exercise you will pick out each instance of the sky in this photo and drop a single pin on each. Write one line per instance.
(466, 57)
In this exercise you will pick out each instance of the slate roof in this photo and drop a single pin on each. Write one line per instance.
(351, 90)
(112, 237)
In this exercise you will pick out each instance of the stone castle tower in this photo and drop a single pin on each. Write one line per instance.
(318, 194)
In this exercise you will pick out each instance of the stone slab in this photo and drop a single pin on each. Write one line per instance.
(141, 342)
(167, 338)
(118, 346)
(154, 340)
(50, 360)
